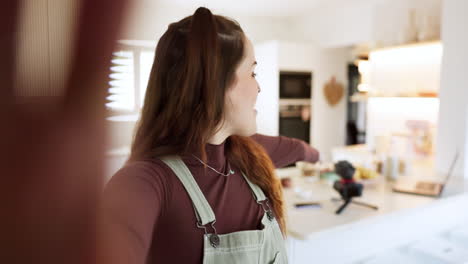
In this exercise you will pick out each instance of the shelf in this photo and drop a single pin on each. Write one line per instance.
(295, 101)
(364, 97)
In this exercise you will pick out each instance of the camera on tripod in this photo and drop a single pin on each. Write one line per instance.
(347, 187)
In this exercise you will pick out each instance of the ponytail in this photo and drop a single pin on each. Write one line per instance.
(243, 152)
(202, 54)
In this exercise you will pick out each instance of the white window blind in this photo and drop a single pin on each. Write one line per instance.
(122, 81)
(146, 63)
(129, 76)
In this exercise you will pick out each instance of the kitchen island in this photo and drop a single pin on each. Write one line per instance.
(362, 235)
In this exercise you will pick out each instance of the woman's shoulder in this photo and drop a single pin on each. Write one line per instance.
(149, 172)
(152, 167)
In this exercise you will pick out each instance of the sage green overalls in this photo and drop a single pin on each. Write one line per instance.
(265, 246)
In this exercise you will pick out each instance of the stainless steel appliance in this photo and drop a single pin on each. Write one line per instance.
(295, 121)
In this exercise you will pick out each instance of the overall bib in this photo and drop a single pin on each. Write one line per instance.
(265, 246)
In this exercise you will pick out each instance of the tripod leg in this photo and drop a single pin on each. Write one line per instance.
(358, 203)
(342, 207)
(366, 205)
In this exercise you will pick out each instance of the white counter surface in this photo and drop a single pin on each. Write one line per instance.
(318, 235)
(303, 222)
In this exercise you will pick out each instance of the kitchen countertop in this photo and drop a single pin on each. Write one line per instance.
(304, 223)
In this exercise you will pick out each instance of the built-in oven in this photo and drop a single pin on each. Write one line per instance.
(295, 104)
(295, 121)
(295, 85)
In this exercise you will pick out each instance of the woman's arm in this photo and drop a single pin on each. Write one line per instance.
(131, 205)
(284, 150)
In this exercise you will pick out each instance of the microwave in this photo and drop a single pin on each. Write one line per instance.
(296, 85)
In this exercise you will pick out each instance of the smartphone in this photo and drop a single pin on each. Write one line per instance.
(307, 205)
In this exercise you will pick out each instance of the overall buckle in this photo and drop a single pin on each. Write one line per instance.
(214, 238)
(267, 210)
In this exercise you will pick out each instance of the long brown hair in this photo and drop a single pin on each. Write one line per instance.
(194, 65)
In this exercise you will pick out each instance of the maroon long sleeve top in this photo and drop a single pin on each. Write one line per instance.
(148, 216)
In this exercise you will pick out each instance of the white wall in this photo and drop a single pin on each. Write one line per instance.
(452, 131)
(297, 56)
(329, 122)
(344, 23)
(391, 20)
(268, 79)
(466, 143)
(337, 24)
(149, 20)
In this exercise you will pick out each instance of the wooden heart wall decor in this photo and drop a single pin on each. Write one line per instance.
(333, 91)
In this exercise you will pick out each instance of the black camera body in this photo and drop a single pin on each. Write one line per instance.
(346, 187)
(348, 190)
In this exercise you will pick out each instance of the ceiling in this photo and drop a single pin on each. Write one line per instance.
(272, 8)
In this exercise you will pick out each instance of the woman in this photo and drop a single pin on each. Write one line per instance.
(199, 186)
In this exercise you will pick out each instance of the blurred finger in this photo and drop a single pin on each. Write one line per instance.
(99, 25)
(8, 23)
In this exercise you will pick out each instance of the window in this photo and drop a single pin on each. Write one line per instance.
(130, 70)
(122, 82)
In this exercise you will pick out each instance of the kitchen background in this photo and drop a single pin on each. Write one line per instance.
(393, 61)
(385, 56)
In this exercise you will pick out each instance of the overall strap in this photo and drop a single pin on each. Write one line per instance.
(260, 198)
(258, 193)
(203, 209)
